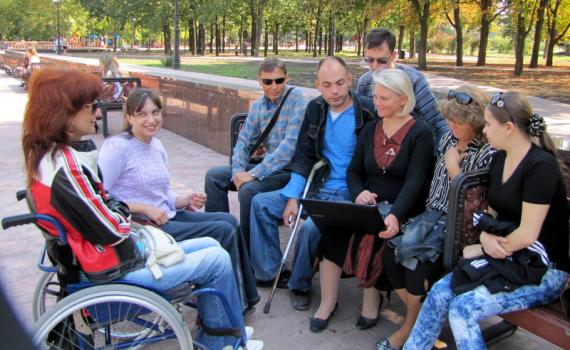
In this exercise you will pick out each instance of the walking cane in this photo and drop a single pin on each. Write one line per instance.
(317, 165)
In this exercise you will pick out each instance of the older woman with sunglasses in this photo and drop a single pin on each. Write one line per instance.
(527, 262)
(413, 260)
(64, 182)
(134, 166)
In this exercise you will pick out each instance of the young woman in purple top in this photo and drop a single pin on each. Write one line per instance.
(134, 166)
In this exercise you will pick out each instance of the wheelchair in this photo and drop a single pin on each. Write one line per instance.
(118, 315)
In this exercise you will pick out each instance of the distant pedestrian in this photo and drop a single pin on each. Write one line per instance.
(244, 48)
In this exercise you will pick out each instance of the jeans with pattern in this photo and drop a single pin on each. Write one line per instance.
(465, 310)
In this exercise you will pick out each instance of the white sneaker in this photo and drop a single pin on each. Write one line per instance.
(249, 332)
(251, 345)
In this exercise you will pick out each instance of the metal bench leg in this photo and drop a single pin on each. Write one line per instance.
(104, 117)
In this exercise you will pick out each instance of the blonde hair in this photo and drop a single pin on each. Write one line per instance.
(471, 113)
(109, 64)
(398, 82)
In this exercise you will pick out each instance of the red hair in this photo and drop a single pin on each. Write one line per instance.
(55, 96)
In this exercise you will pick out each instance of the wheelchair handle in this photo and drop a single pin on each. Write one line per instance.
(24, 219)
(18, 220)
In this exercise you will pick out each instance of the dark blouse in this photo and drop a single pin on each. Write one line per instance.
(538, 180)
(404, 180)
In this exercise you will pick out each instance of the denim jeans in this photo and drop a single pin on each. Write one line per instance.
(218, 182)
(265, 247)
(207, 265)
(465, 310)
(224, 228)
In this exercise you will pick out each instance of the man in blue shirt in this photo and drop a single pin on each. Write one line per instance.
(279, 146)
(380, 53)
(329, 132)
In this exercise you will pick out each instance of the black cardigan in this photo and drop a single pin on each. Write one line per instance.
(404, 182)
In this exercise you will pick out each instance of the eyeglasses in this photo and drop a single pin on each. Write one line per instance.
(277, 81)
(91, 107)
(380, 60)
(462, 98)
(143, 115)
(497, 100)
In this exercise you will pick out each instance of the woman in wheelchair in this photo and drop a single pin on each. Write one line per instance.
(522, 258)
(65, 183)
(134, 166)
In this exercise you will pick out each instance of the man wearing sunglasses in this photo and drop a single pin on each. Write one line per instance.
(380, 53)
(279, 145)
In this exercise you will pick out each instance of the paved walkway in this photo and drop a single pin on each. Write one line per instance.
(282, 328)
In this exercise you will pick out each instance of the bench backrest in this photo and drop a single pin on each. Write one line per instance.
(236, 123)
(468, 192)
(121, 86)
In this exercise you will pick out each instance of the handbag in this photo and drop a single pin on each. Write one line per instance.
(160, 249)
(258, 151)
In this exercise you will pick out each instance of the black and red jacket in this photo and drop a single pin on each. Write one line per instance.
(69, 188)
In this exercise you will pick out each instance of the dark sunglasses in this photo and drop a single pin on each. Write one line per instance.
(277, 81)
(380, 60)
(497, 100)
(462, 98)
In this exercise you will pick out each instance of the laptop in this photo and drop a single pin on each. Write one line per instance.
(344, 217)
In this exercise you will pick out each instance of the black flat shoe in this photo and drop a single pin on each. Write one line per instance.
(317, 325)
(366, 323)
(281, 283)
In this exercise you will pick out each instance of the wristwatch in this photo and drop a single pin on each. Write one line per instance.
(252, 173)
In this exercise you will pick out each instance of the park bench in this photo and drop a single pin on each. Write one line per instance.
(12, 60)
(127, 84)
(467, 194)
(236, 123)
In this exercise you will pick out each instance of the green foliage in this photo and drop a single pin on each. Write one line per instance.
(167, 61)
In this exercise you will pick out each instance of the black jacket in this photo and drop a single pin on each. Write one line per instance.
(309, 148)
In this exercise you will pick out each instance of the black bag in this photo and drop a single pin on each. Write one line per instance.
(258, 151)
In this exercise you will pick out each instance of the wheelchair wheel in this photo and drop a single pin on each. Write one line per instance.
(112, 316)
(48, 292)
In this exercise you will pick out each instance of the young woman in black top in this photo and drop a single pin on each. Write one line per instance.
(526, 189)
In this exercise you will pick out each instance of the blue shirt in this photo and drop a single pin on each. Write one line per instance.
(338, 148)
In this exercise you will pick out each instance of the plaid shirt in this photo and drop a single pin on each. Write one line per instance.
(281, 141)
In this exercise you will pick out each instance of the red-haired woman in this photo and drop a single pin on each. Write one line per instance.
(65, 183)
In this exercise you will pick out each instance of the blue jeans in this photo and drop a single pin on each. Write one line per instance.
(265, 248)
(207, 265)
(465, 310)
(223, 227)
(218, 182)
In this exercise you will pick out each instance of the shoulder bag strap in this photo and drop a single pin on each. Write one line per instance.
(265, 132)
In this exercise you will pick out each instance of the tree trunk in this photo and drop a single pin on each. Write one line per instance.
(317, 30)
(401, 31)
(551, 43)
(224, 33)
(307, 41)
(276, 39)
(484, 35)
(266, 39)
(296, 39)
(519, 44)
(412, 44)
(422, 10)
(167, 38)
(537, 34)
(331, 47)
(217, 35)
(202, 39)
(192, 36)
(176, 60)
(459, 34)
(254, 27)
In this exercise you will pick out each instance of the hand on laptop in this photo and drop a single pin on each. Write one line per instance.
(392, 227)
(366, 197)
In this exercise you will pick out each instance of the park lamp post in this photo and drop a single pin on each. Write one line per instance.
(58, 39)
